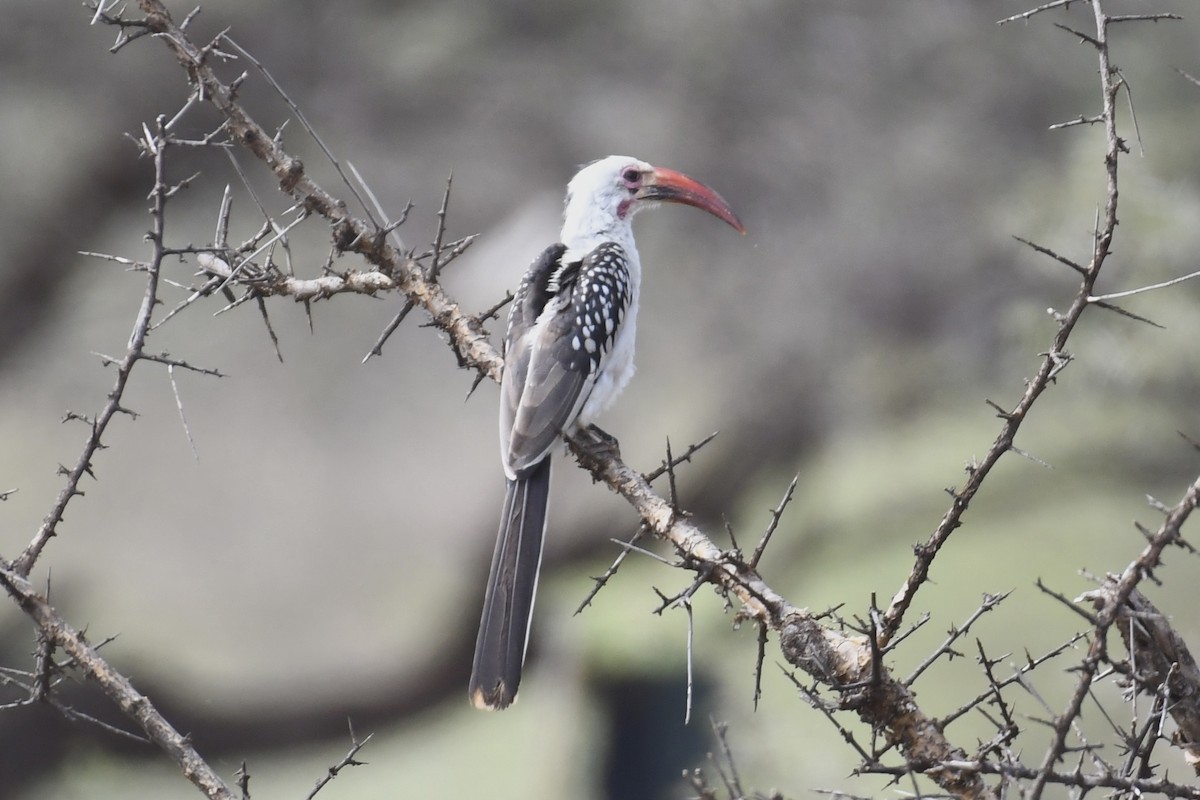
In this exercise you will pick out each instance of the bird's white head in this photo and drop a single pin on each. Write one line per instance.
(603, 197)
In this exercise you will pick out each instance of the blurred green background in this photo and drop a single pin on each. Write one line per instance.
(323, 558)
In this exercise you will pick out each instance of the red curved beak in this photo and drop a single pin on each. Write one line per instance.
(669, 186)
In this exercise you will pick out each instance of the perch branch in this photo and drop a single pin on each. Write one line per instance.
(133, 704)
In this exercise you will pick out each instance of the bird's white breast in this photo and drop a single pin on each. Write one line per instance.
(616, 369)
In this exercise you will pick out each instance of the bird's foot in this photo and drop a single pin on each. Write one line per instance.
(600, 441)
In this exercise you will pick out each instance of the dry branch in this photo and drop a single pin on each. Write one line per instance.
(133, 704)
(1159, 660)
(1056, 357)
(394, 269)
(836, 660)
(134, 353)
(848, 664)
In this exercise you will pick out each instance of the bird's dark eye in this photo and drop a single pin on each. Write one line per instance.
(632, 176)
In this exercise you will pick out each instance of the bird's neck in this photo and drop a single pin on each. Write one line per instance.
(586, 229)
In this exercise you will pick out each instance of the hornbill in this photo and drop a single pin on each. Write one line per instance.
(568, 353)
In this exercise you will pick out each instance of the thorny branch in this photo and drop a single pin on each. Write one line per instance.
(1160, 663)
(990, 601)
(133, 704)
(848, 664)
(137, 340)
(393, 269)
(1112, 605)
(824, 653)
(1057, 356)
(14, 575)
(349, 760)
(54, 631)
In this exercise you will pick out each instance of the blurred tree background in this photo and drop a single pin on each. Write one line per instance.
(323, 557)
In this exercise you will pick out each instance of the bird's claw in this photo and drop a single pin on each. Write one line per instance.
(600, 441)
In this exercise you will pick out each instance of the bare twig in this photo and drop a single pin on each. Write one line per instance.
(990, 601)
(1122, 589)
(136, 343)
(732, 781)
(760, 658)
(494, 311)
(312, 132)
(435, 266)
(1150, 288)
(1048, 252)
(266, 318)
(1026, 15)
(1163, 666)
(1124, 313)
(691, 641)
(179, 405)
(776, 515)
(377, 348)
(666, 465)
(1053, 360)
(394, 270)
(1076, 779)
(1066, 601)
(825, 708)
(602, 580)
(388, 228)
(118, 688)
(349, 760)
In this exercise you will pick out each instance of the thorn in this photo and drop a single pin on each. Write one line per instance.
(262, 307)
(377, 348)
(435, 266)
(1118, 310)
(479, 376)
(1032, 458)
(1000, 412)
(652, 476)
(1050, 253)
(1158, 505)
(776, 515)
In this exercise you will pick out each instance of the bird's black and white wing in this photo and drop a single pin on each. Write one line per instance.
(555, 355)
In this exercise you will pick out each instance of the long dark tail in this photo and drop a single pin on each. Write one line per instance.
(512, 582)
